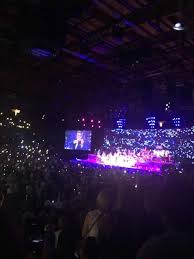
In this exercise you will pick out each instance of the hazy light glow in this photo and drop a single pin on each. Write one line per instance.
(178, 26)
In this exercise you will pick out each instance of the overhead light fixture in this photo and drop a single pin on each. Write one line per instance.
(178, 26)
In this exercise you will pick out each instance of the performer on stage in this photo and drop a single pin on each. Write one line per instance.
(128, 158)
(78, 143)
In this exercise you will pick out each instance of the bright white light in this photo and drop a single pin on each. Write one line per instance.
(16, 111)
(161, 124)
(178, 26)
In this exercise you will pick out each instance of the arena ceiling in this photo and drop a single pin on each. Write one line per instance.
(97, 48)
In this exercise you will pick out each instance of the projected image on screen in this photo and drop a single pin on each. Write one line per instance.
(78, 140)
(174, 144)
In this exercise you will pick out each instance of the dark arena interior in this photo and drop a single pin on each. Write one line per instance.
(97, 129)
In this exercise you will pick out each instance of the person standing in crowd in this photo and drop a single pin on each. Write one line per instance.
(98, 223)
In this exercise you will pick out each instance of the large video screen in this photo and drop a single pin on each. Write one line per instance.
(78, 140)
(177, 143)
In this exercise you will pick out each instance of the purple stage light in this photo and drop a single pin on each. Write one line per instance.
(144, 168)
(79, 55)
(41, 53)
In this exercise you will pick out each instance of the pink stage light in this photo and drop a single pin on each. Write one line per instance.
(92, 120)
(83, 119)
(99, 126)
(84, 125)
(92, 126)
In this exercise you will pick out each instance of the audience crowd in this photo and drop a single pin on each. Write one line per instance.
(58, 210)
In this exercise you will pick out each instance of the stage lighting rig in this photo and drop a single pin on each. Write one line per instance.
(177, 122)
(121, 123)
(151, 122)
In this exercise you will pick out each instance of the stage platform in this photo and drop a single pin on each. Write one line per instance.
(150, 166)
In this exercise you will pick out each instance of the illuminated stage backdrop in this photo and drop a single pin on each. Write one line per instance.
(179, 142)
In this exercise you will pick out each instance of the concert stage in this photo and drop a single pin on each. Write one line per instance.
(149, 166)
